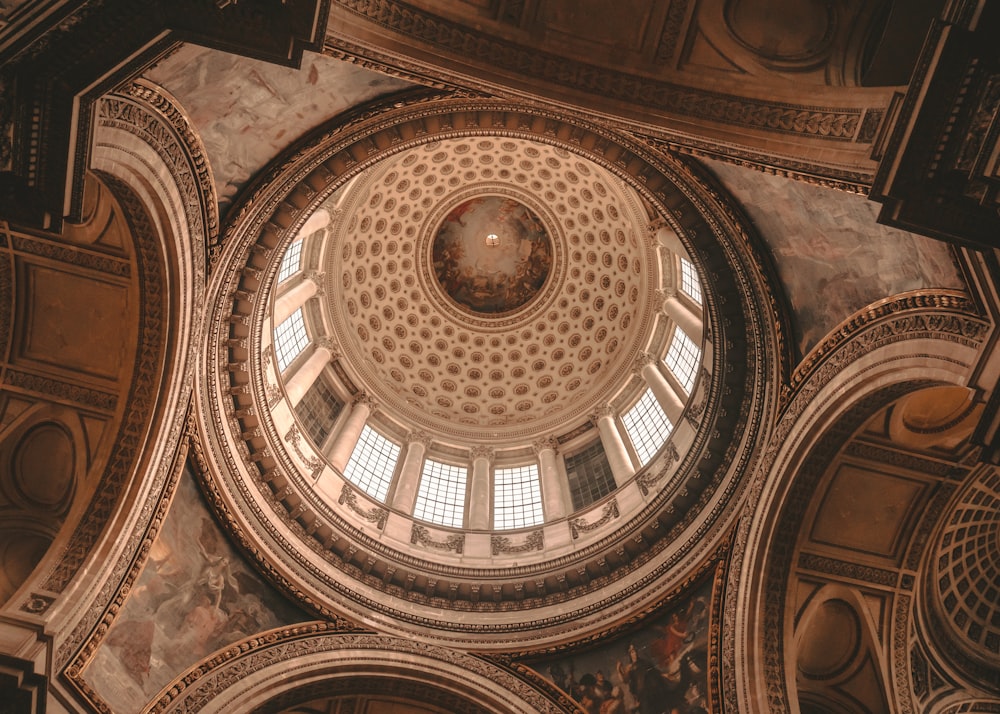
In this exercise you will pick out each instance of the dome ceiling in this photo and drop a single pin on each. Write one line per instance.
(600, 223)
(508, 341)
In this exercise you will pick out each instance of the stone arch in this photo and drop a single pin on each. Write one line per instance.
(856, 372)
(274, 666)
(836, 636)
(156, 180)
(43, 463)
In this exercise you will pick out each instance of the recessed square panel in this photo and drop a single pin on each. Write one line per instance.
(866, 510)
(625, 27)
(76, 322)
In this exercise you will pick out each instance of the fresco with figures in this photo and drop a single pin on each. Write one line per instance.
(491, 254)
(194, 596)
(660, 669)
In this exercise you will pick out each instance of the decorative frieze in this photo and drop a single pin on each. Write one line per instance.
(608, 513)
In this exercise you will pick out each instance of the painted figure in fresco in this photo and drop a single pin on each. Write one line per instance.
(615, 703)
(645, 682)
(661, 672)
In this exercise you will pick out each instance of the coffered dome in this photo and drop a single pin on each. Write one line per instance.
(490, 343)
(478, 372)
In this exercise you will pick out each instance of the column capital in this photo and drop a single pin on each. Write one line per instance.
(483, 452)
(644, 359)
(364, 399)
(656, 224)
(419, 437)
(664, 294)
(329, 344)
(548, 442)
(604, 410)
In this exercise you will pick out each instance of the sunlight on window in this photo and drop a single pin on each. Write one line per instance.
(441, 497)
(372, 463)
(690, 283)
(682, 359)
(291, 262)
(290, 339)
(517, 497)
(647, 426)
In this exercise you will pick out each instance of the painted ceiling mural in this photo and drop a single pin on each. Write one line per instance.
(660, 668)
(833, 258)
(195, 595)
(246, 110)
(491, 254)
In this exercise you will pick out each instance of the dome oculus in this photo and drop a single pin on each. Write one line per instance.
(498, 273)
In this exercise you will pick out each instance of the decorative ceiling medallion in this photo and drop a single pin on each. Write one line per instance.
(491, 254)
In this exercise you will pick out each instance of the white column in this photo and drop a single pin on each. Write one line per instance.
(319, 219)
(305, 376)
(663, 390)
(480, 496)
(408, 482)
(293, 298)
(553, 498)
(684, 316)
(347, 438)
(663, 235)
(614, 446)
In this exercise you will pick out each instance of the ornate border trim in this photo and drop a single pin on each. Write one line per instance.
(421, 26)
(420, 534)
(212, 677)
(608, 513)
(149, 112)
(949, 314)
